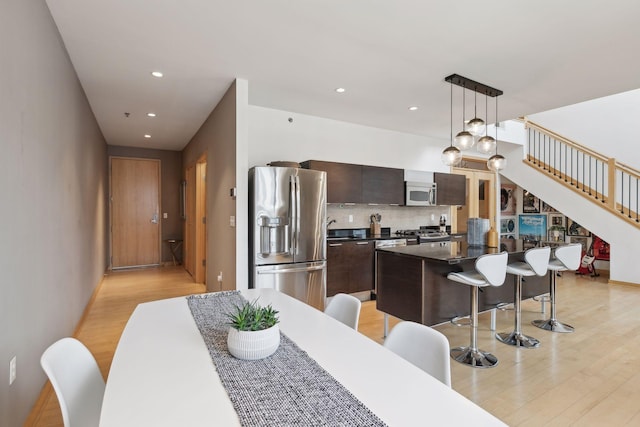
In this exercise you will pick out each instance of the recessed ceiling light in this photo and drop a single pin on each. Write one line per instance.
(156, 74)
(146, 135)
(151, 114)
(413, 108)
(340, 89)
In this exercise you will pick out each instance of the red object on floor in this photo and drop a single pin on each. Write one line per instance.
(601, 250)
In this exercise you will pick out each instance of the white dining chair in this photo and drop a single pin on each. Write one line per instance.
(422, 346)
(77, 381)
(345, 308)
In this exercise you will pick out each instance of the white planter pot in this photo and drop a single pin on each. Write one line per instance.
(253, 345)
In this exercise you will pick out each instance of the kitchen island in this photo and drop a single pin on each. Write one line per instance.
(412, 284)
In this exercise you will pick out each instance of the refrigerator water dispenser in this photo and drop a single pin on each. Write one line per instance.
(274, 235)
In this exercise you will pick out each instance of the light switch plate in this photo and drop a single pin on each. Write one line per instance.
(12, 370)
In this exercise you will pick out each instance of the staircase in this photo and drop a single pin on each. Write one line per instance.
(603, 180)
(599, 193)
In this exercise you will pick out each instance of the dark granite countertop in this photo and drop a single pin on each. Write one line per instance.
(455, 252)
(358, 234)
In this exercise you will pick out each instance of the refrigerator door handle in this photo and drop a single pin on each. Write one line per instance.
(293, 214)
(292, 270)
(297, 231)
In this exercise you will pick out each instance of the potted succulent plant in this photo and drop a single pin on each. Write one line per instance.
(253, 332)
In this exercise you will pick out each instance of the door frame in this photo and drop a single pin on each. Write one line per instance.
(189, 222)
(473, 177)
(159, 162)
(201, 220)
(195, 224)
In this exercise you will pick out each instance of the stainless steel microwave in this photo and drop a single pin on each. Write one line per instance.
(419, 193)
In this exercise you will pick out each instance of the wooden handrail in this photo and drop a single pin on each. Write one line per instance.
(628, 170)
(566, 140)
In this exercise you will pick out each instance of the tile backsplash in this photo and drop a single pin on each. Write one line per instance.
(395, 217)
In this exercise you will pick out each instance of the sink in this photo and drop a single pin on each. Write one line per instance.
(339, 238)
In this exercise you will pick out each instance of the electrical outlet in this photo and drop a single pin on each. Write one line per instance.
(12, 370)
(350, 218)
(232, 221)
(165, 215)
(220, 277)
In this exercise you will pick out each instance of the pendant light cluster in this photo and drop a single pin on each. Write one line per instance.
(474, 128)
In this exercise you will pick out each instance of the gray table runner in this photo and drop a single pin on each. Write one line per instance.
(288, 388)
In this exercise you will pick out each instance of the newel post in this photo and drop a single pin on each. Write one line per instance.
(611, 191)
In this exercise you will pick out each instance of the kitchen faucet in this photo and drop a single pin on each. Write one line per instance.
(330, 222)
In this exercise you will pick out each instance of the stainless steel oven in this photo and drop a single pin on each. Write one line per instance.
(419, 193)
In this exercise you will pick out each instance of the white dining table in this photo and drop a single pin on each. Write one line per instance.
(162, 373)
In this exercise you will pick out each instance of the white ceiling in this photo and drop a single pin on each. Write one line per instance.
(388, 54)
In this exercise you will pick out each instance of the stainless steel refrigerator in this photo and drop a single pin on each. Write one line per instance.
(287, 232)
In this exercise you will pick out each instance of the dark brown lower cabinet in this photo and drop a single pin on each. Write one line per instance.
(350, 267)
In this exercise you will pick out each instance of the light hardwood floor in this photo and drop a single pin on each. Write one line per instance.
(104, 321)
(588, 378)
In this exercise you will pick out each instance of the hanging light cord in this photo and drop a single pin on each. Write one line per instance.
(496, 124)
(464, 107)
(451, 121)
(475, 102)
(486, 113)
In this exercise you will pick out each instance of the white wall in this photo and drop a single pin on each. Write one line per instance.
(273, 137)
(606, 125)
(53, 200)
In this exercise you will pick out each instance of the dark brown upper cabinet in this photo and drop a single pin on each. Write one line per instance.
(349, 183)
(383, 186)
(344, 180)
(451, 189)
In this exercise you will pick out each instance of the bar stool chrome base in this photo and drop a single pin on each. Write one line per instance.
(552, 325)
(461, 321)
(518, 339)
(474, 358)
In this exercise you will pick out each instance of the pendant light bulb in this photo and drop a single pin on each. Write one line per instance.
(486, 144)
(496, 163)
(475, 126)
(451, 156)
(464, 140)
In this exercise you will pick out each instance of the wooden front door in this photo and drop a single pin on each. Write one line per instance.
(135, 212)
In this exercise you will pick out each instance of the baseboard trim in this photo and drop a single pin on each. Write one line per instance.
(47, 390)
(619, 282)
(85, 313)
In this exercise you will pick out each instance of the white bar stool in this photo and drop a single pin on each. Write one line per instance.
(566, 258)
(536, 263)
(491, 270)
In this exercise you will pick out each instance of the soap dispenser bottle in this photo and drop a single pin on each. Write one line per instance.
(443, 223)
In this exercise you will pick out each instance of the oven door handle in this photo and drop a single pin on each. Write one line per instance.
(292, 270)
